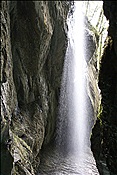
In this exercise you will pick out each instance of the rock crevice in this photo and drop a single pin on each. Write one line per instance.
(33, 47)
(105, 130)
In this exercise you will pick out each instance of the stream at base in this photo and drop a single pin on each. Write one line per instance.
(55, 163)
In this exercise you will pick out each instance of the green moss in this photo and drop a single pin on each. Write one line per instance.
(22, 142)
(24, 153)
(100, 111)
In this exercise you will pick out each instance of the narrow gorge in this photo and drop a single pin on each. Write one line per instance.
(58, 112)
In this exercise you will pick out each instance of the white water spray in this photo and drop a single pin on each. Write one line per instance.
(72, 122)
(78, 128)
(72, 134)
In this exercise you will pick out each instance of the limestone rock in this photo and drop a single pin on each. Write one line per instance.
(107, 155)
(8, 93)
(33, 48)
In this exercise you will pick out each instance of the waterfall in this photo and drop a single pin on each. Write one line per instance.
(71, 153)
(72, 119)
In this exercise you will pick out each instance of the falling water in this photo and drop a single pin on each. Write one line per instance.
(72, 125)
(72, 154)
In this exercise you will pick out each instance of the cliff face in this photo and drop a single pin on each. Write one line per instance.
(8, 92)
(91, 49)
(105, 130)
(34, 41)
(33, 48)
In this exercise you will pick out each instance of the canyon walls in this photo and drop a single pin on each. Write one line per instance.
(34, 42)
(104, 139)
(33, 48)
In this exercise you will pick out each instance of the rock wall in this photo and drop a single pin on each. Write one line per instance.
(33, 48)
(91, 49)
(104, 140)
(34, 41)
(8, 92)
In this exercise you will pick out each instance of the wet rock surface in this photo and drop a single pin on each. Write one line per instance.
(8, 93)
(105, 130)
(34, 42)
(33, 47)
